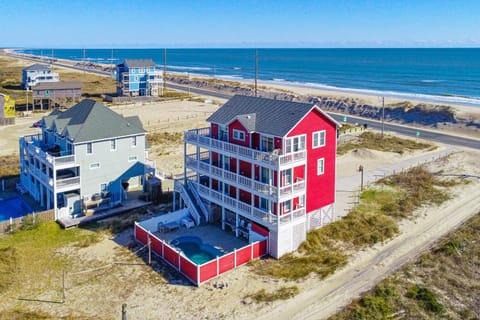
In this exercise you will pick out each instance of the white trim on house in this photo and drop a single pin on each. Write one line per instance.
(320, 168)
(238, 135)
(306, 113)
(321, 137)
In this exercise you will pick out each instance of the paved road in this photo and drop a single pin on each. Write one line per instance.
(401, 129)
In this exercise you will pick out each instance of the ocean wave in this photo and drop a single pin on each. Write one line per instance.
(237, 68)
(431, 81)
(468, 101)
(188, 68)
(226, 76)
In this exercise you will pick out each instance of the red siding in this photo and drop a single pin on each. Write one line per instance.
(233, 165)
(259, 229)
(320, 188)
(245, 196)
(156, 245)
(244, 255)
(226, 263)
(214, 130)
(215, 158)
(238, 126)
(141, 234)
(298, 172)
(255, 141)
(188, 268)
(245, 169)
(208, 271)
(171, 256)
(277, 142)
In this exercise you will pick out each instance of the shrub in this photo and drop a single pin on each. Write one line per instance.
(282, 293)
(425, 298)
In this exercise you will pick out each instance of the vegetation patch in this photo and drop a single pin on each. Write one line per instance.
(374, 220)
(9, 166)
(450, 269)
(164, 138)
(374, 141)
(8, 265)
(283, 293)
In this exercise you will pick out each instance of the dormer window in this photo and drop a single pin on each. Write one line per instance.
(238, 135)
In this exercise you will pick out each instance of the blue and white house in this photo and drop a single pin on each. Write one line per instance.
(138, 77)
(38, 73)
(86, 156)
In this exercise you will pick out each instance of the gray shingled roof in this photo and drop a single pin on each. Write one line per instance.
(139, 63)
(37, 67)
(275, 117)
(90, 120)
(58, 85)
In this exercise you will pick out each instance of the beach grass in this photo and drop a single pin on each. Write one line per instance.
(9, 166)
(389, 143)
(442, 283)
(375, 219)
(283, 293)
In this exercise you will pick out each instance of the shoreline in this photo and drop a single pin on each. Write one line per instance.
(452, 100)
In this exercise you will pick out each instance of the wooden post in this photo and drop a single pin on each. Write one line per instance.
(149, 249)
(63, 286)
(124, 311)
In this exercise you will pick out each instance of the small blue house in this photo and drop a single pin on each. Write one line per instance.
(138, 77)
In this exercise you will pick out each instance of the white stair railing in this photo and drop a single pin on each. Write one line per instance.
(180, 187)
(199, 200)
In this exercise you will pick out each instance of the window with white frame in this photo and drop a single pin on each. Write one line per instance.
(103, 187)
(113, 145)
(287, 206)
(132, 158)
(295, 144)
(89, 148)
(263, 204)
(287, 177)
(94, 165)
(318, 139)
(267, 144)
(238, 135)
(320, 166)
(134, 141)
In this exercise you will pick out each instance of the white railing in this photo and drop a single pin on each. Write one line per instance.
(262, 189)
(34, 144)
(298, 186)
(199, 200)
(247, 210)
(202, 137)
(180, 188)
(68, 182)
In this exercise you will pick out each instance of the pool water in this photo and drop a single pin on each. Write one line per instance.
(195, 250)
(13, 208)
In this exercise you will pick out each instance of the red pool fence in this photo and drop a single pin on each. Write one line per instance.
(198, 274)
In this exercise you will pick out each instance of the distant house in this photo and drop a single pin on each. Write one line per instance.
(138, 77)
(56, 94)
(7, 110)
(38, 73)
(87, 155)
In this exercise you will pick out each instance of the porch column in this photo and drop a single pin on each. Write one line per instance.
(174, 197)
(49, 199)
(223, 218)
(198, 159)
(42, 203)
(236, 224)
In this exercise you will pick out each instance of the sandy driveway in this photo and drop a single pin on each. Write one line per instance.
(369, 267)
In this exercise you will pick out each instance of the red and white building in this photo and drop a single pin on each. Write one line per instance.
(263, 167)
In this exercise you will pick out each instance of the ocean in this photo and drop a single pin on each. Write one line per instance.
(435, 74)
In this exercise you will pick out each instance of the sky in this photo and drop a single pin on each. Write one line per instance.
(239, 24)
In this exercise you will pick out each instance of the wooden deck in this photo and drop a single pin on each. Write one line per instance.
(126, 206)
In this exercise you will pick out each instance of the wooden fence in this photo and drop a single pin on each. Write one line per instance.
(14, 224)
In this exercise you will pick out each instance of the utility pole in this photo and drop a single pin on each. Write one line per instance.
(26, 95)
(256, 70)
(51, 61)
(360, 169)
(149, 251)
(84, 62)
(164, 71)
(124, 311)
(383, 115)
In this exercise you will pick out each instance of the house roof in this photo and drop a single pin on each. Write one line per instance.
(37, 67)
(90, 120)
(275, 117)
(58, 85)
(138, 63)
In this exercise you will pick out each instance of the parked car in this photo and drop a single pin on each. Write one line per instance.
(37, 124)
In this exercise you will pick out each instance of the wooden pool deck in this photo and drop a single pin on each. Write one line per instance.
(69, 222)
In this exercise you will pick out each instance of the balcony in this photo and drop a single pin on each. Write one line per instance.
(201, 137)
(58, 160)
(248, 184)
(255, 214)
(68, 184)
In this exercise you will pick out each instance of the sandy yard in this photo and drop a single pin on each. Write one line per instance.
(107, 274)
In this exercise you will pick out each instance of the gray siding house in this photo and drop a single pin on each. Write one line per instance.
(85, 156)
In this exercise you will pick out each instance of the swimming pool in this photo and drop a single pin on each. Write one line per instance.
(13, 208)
(197, 251)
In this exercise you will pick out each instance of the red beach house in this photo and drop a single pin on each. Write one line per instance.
(263, 167)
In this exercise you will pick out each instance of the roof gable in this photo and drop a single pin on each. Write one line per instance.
(138, 63)
(37, 67)
(269, 116)
(90, 120)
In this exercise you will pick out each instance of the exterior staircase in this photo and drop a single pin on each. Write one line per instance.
(193, 202)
